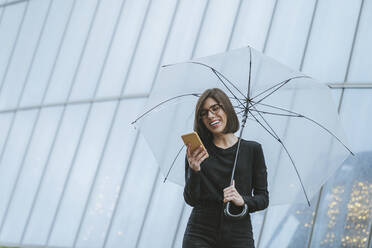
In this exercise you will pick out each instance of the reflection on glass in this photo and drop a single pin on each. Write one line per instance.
(289, 225)
(344, 215)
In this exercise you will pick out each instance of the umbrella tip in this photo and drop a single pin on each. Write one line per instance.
(167, 65)
(133, 124)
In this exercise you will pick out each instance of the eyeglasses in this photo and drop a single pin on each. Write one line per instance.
(214, 110)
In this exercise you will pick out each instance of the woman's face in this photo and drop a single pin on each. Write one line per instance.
(213, 116)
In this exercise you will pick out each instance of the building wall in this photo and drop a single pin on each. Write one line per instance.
(75, 73)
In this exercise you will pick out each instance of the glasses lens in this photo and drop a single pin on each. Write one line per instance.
(215, 108)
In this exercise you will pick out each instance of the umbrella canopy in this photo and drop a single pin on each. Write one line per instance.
(290, 114)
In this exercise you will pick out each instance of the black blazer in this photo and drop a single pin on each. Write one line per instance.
(206, 186)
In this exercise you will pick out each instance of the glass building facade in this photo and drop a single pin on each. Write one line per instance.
(75, 73)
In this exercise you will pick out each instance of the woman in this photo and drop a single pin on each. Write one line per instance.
(208, 175)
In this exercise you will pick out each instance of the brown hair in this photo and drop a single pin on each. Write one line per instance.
(220, 97)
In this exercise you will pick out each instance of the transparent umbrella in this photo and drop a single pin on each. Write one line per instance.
(292, 115)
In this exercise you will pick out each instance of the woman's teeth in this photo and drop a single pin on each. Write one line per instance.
(214, 123)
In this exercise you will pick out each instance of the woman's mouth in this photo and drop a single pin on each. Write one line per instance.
(214, 123)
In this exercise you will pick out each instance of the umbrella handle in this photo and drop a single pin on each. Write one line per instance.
(238, 216)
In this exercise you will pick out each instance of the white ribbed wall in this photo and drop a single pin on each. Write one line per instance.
(75, 73)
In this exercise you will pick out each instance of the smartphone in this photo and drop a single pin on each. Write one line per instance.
(194, 139)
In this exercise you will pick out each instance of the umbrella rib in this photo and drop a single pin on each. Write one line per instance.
(290, 157)
(242, 111)
(229, 82)
(263, 126)
(278, 108)
(272, 87)
(307, 118)
(240, 107)
(267, 123)
(315, 122)
(239, 98)
(273, 113)
(165, 101)
(277, 87)
(218, 74)
(214, 71)
(174, 161)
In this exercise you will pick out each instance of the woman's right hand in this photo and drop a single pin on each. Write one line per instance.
(196, 157)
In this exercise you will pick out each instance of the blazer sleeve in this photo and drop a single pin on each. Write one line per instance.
(191, 192)
(260, 198)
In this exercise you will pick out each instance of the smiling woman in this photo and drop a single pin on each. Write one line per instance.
(207, 176)
(210, 120)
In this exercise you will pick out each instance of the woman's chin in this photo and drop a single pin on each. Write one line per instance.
(217, 130)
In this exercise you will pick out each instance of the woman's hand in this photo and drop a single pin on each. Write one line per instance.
(196, 157)
(231, 194)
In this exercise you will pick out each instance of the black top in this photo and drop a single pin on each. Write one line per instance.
(206, 186)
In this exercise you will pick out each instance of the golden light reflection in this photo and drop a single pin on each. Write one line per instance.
(358, 215)
(356, 223)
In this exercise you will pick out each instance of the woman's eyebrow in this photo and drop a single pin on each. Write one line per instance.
(211, 106)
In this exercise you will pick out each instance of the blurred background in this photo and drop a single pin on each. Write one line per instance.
(75, 73)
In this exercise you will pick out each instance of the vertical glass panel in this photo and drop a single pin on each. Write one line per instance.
(289, 31)
(336, 95)
(12, 155)
(2, 10)
(123, 47)
(73, 45)
(11, 2)
(361, 63)
(95, 51)
(5, 120)
(48, 49)
(185, 31)
(164, 213)
(21, 62)
(355, 105)
(344, 217)
(83, 168)
(331, 39)
(150, 47)
(58, 163)
(109, 180)
(182, 227)
(252, 24)
(33, 166)
(257, 219)
(288, 225)
(9, 26)
(131, 207)
(217, 27)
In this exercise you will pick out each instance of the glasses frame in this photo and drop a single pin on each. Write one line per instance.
(202, 115)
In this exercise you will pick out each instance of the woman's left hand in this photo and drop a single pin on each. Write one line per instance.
(231, 194)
